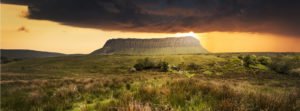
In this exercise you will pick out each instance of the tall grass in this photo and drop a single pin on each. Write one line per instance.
(148, 93)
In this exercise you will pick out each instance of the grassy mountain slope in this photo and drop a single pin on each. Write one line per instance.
(207, 82)
(96, 63)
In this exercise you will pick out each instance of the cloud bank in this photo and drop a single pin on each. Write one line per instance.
(266, 16)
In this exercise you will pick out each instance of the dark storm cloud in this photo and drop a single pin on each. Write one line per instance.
(271, 16)
(18, 2)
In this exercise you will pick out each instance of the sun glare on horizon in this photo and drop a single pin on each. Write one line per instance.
(189, 34)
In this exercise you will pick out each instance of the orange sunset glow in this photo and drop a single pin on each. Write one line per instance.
(19, 32)
(150, 55)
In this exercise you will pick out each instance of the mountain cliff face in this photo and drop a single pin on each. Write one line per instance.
(161, 46)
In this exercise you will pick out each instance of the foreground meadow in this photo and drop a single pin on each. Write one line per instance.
(215, 82)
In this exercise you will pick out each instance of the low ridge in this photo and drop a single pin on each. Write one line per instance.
(22, 54)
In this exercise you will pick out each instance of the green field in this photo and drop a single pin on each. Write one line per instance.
(207, 82)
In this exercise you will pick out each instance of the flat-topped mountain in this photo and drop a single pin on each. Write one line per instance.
(159, 46)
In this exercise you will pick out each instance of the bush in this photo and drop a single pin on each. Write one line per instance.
(233, 65)
(286, 64)
(236, 61)
(148, 64)
(163, 66)
(250, 60)
(257, 63)
(259, 67)
(193, 67)
(282, 66)
(139, 66)
(264, 60)
(182, 66)
(144, 64)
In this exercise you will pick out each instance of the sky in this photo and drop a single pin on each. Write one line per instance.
(82, 27)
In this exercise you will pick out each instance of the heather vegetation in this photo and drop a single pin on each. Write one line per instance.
(212, 82)
(231, 65)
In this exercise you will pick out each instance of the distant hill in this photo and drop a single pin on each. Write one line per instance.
(24, 54)
(160, 46)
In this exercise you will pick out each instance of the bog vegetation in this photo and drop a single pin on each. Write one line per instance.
(212, 82)
(236, 64)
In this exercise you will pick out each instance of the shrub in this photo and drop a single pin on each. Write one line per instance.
(259, 67)
(257, 63)
(250, 60)
(233, 65)
(144, 64)
(281, 66)
(235, 61)
(163, 66)
(286, 64)
(264, 60)
(182, 66)
(193, 66)
(148, 64)
(139, 66)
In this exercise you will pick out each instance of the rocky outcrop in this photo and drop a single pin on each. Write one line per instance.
(161, 46)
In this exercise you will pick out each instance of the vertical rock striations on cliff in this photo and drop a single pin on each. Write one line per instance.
(161, 46)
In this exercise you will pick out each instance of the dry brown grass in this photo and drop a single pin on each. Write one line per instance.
(151, 92)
